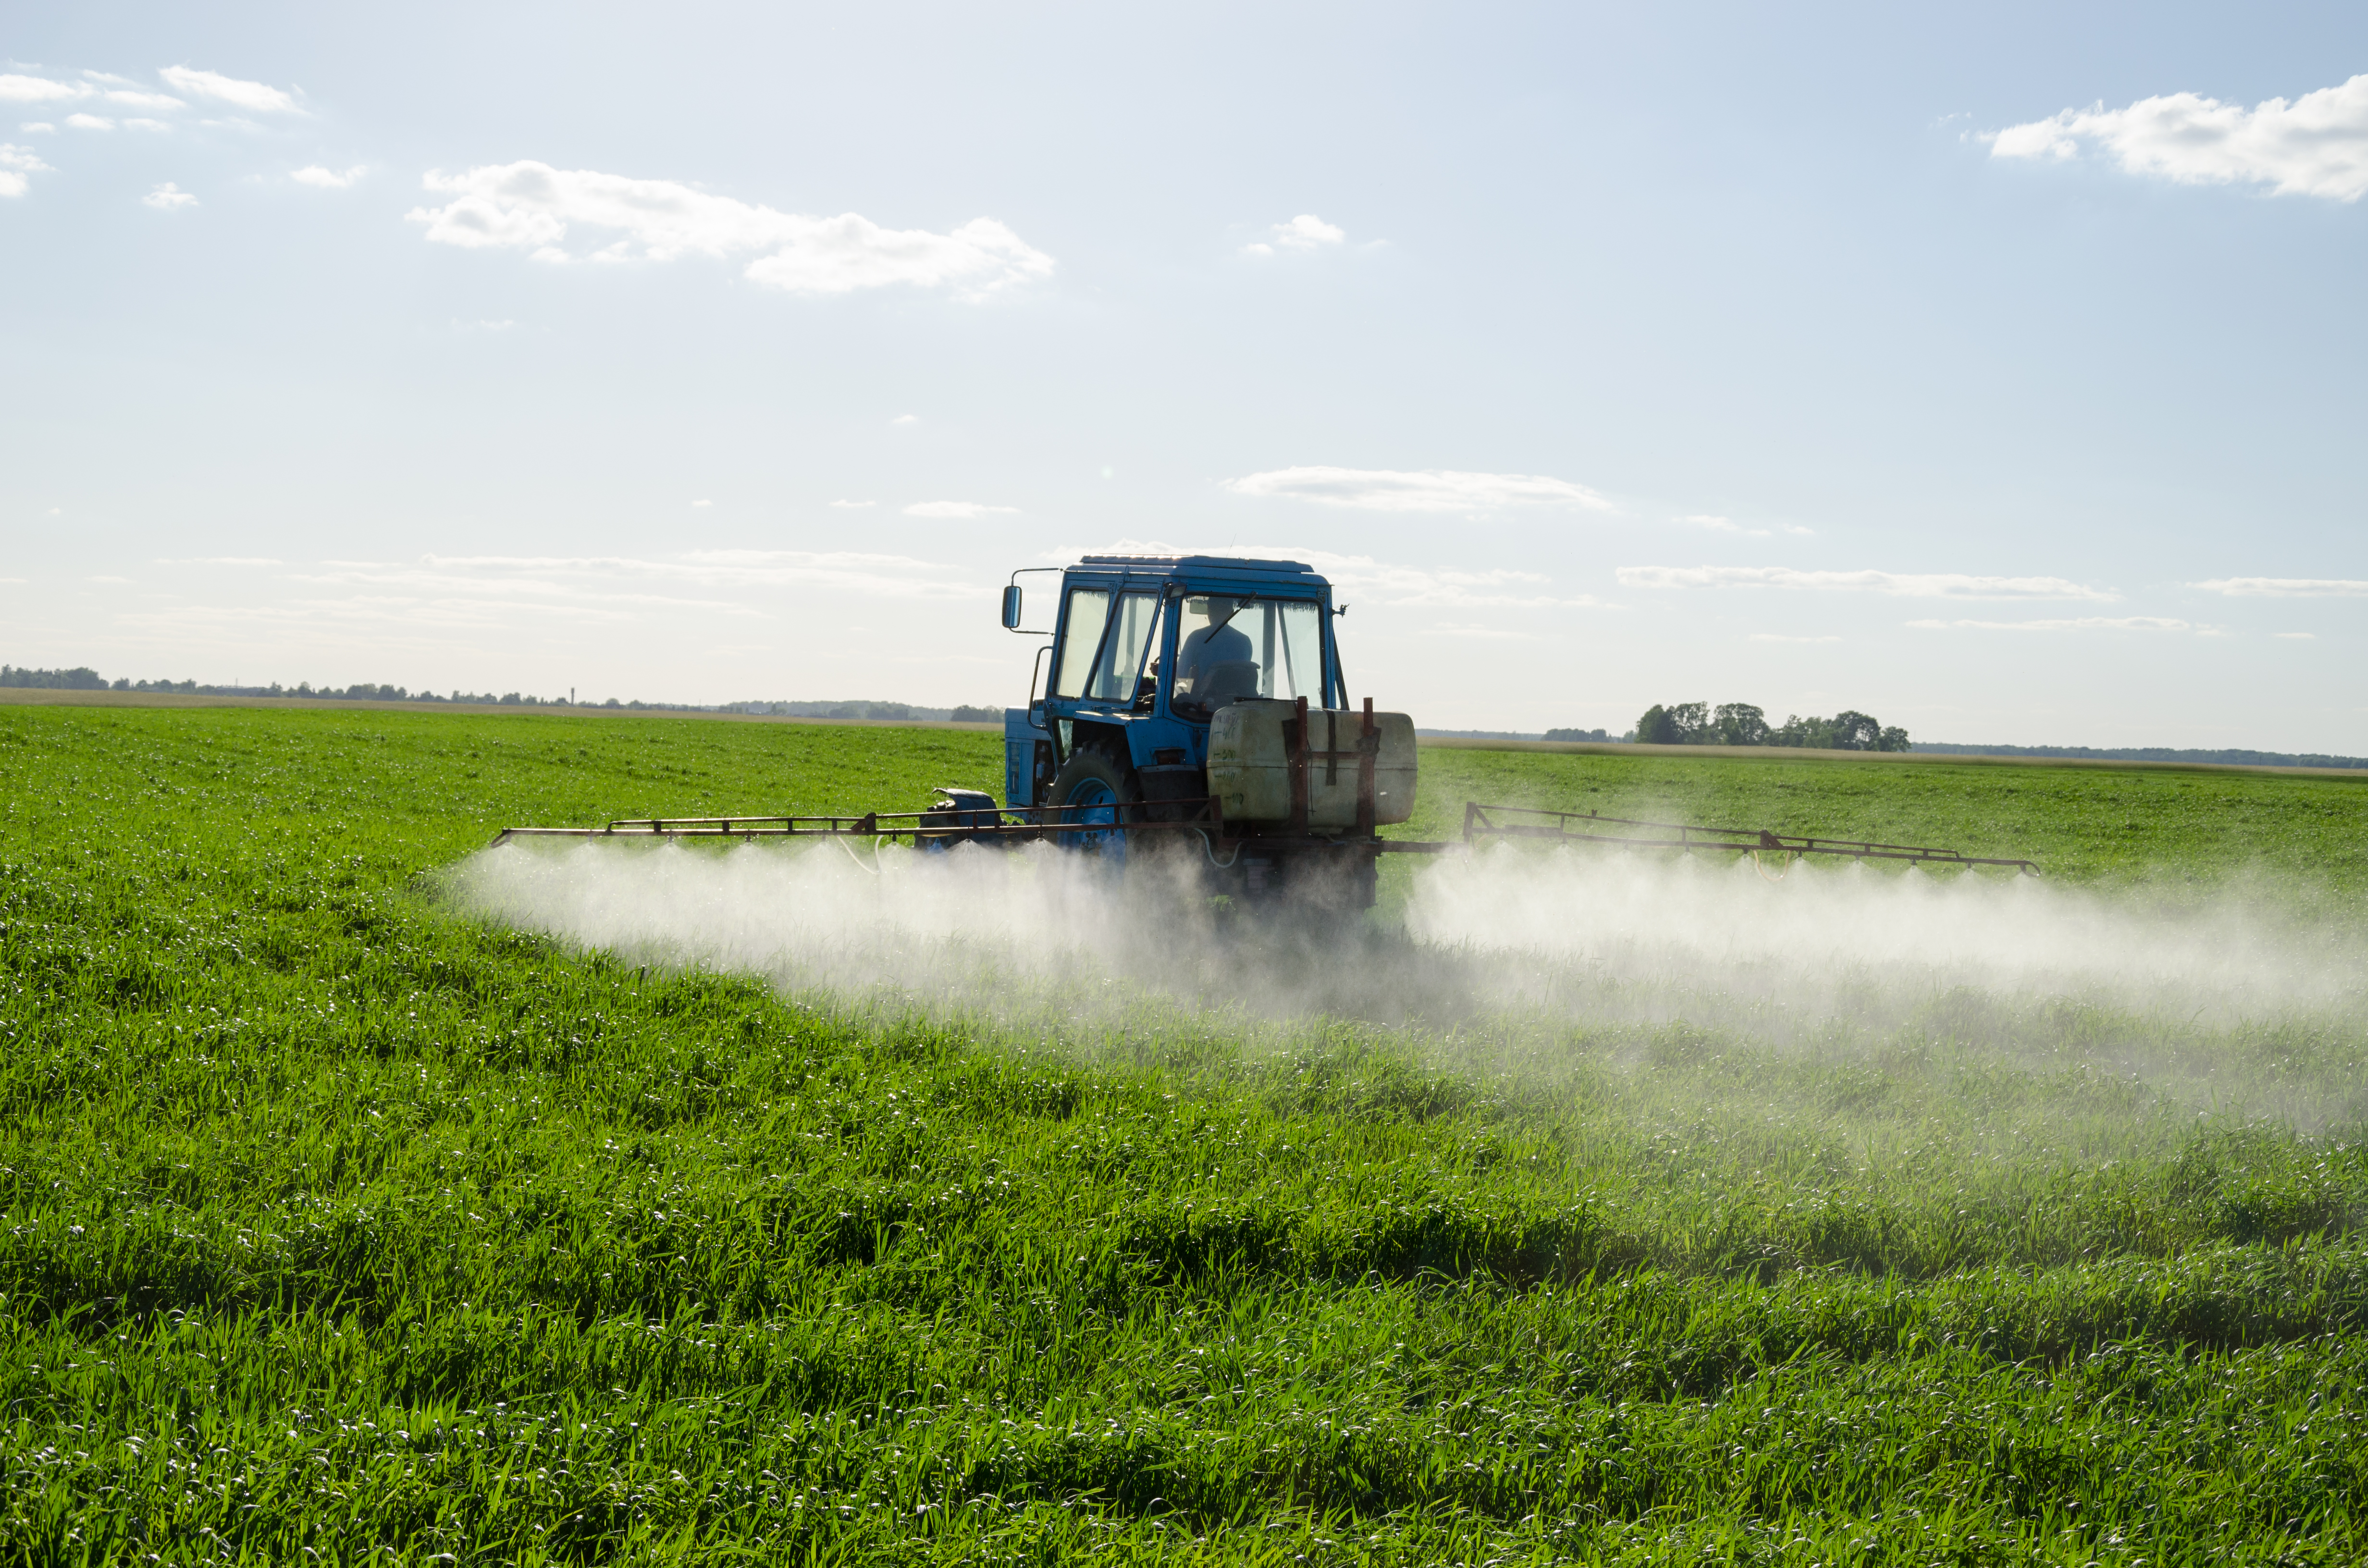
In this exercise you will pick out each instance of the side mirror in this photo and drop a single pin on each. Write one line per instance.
(1011, 608)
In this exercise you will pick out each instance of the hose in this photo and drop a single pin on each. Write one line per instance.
(1210, 850)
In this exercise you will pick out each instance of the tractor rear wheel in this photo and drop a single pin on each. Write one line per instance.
(1103, 793)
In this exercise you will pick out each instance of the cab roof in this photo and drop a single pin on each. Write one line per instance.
(1223, 571)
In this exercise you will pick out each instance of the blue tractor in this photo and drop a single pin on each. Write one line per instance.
(1202, 695)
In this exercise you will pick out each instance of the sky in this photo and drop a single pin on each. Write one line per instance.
(1994, 370)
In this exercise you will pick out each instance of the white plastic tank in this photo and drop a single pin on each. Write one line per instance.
(1249, 765)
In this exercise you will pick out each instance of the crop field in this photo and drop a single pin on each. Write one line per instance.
(357, 1204)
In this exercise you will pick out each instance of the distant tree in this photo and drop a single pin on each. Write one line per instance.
(1854, 731)
(1656, 728)
(1577, 735)
(1692, 722)
(1894, 738)
(1740, 724)
(968, 715)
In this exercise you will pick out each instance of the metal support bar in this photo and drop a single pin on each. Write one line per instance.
(1299, 755)
(1480, 822)
(1369, 756)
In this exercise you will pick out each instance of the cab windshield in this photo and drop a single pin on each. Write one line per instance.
(1231, 648)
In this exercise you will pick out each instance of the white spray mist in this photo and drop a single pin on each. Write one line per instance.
(1589, 935)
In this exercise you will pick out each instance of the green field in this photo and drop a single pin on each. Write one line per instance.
(335, 1221)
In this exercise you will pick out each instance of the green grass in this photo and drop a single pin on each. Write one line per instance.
(333, 1222)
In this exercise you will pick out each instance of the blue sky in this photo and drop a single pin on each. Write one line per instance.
(1996, 371)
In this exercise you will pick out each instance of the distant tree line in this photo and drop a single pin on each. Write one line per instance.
(2236, 755)
(85, 679)
(1578, 735)
(900, 712)
(1741, 724)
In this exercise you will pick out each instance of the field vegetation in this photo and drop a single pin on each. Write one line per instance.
(336, 1221)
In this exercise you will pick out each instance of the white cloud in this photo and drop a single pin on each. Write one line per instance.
(533, 205)
(16, 162)
(251, 96)
(2296, 636)
(147, 125)
(145, 100)
(89, 122)
(2317, 145)
(1429, 490)
(702, 503)
(1779, 637)
(328, 180)
(166, 197)
(1305, 233)
(43, 126)
(905, 420)
(2286, 588)
(17, 89)
(855, 504)
(1909, 585)
(220, 561)
(952, 509)
(2083, 623)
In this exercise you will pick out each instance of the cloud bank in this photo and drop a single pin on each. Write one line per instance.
(2081, 623)
(534, 207)
(2317, 145)
(18, 89)
(1426, 490)
(1905, 584)
(252, 95)
(2287, 588)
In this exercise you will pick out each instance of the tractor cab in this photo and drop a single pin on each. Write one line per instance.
(1145, 650)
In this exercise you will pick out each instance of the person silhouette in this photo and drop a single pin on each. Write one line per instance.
(1216, 643)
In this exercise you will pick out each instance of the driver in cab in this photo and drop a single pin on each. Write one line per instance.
(1215, 645)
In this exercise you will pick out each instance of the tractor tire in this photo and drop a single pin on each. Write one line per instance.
(1105, 792)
